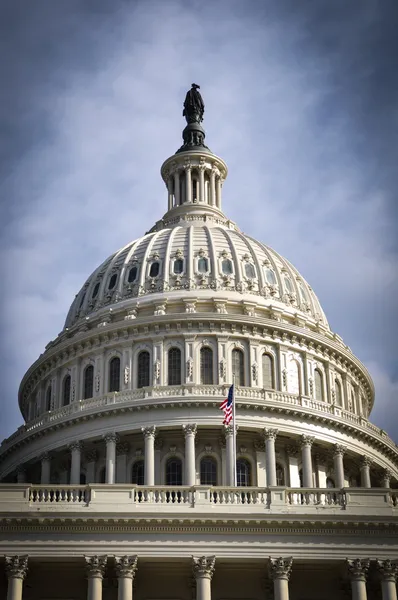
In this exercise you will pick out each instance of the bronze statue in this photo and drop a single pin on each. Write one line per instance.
(193, 106)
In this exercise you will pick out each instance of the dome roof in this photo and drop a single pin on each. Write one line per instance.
(198, 255)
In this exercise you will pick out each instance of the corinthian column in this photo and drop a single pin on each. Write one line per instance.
(230, 454)
(126, 567)
(388, 574)
(16, 569)
(190, 470)
(110, 462)
(149, 463)
(357, 571)
(365, 472)
(95, 568)
(76, 449)
(338, 453)
(280, 569)
(203, 569)
(306, 459)
(45, 468)
(270, 463)
(386, 478)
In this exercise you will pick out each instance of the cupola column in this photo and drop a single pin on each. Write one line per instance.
(270, 462)
(306, 458)
(126, 567)
(218, 192)
(111, 440)
(212, 188)
(388, 574)
(170, 192)
(76, 449)
(280, 569)
(230, 452)
(188, 183)
(177, 188)
(357, 571)
(203, 569)
(45, 468)
(386, 478)
(95, 568)
(149, 463)
(365, 472)
(201, 183)
(16, 569)
(190, 469)
(338, 453)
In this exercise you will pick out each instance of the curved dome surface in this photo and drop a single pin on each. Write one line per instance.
(191, 259)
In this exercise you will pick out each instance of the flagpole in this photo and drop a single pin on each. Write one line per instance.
(234, 429)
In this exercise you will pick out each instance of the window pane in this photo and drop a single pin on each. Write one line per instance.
(112, 281)
(114, 374)
(48, 398)
(318, 385)
(226, 266)
(178, 266)
(337, 388)
(137, 473)
(238, 368)
(289, 285)
(250, 271)
(208, 471)
(154, 270)
(243, 472)
(66, 391)
(89, 382)
(206, 365)
(174, 366)
(203, 265)
(82, 300)
(268, 372)
(304, 295)
(95, 290)
(143, 369)
(270, 276)
(174, 472)
(280, 475)
(132, 274)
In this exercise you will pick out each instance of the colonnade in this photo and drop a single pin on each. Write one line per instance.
(203, 567)
(113, 447)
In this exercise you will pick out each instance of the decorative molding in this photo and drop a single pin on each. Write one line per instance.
(203, 567)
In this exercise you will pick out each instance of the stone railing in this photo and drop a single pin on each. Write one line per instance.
(127, 498)
(244, 395)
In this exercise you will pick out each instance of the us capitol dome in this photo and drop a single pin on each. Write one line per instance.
(122, 479)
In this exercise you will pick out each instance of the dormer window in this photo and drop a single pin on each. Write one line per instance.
(112, 281)
(203, 265)
(178, 267)
(132, 274)
(226, 266)
(250, 271)
(154, 270)
(270, 276)
(95, 290)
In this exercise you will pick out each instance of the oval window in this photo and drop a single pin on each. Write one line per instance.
(289, 285)
(270, 276)
(178, 266)
(303, 292)
(95, 290)
(112, 281)
(250, 271)
(226, 266)
(154, 270)
(203, 265)
(132, 275)
(82, 300)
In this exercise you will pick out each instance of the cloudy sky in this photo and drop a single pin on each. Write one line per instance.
(301, 102)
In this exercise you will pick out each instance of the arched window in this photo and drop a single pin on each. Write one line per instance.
(318, 378)
(143, 369)
(132, 274)
(154, 270)
(268, 372)
(206, 366)
(114, 374)
(238, 367)
(280, 475)
(203, 265)
(95, 290)
(174, 472)
(48, 398)
(270, 277)
(243, 475)
(226, 266)
(208, 471)
(88, 382)
(178, 266)
(66, 390)
(174, 366)
(137, 472)
(338, 394)
(112, 281)
(250, 271)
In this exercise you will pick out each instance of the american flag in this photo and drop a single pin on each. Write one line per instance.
(226, 406)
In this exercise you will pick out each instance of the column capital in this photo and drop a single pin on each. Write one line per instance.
(280, 568)
(126, 566)
(366, 461)
(149, 431)
(111, 437)
(76, 446)
(190, 429)
(203, 566)
(16, 566)
(270, 434)
(357, 568)
(91, 456)
(307, 440)
(95, 565)
(339, 450)
(388, 570)
(229, 429)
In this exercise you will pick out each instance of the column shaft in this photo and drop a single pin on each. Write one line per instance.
(14, 591)
(201, 185)
(170, 192)
(203, 588)
(213, 188)
(190, 469)
(177, 195)
(94, 588)
(389, 590)
(358, 589)
(110, 461)
(124, 588)
(281, 589)
(75, 463)
(218, 192)
(149, 463)
(45, 470)
(339, 466)
(16, 568)
(270, 462)
(306, 459)
(229, 438)
(21, 476)
(188, 184)
(365, 473)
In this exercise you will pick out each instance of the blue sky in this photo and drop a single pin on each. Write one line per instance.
(301, 102)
